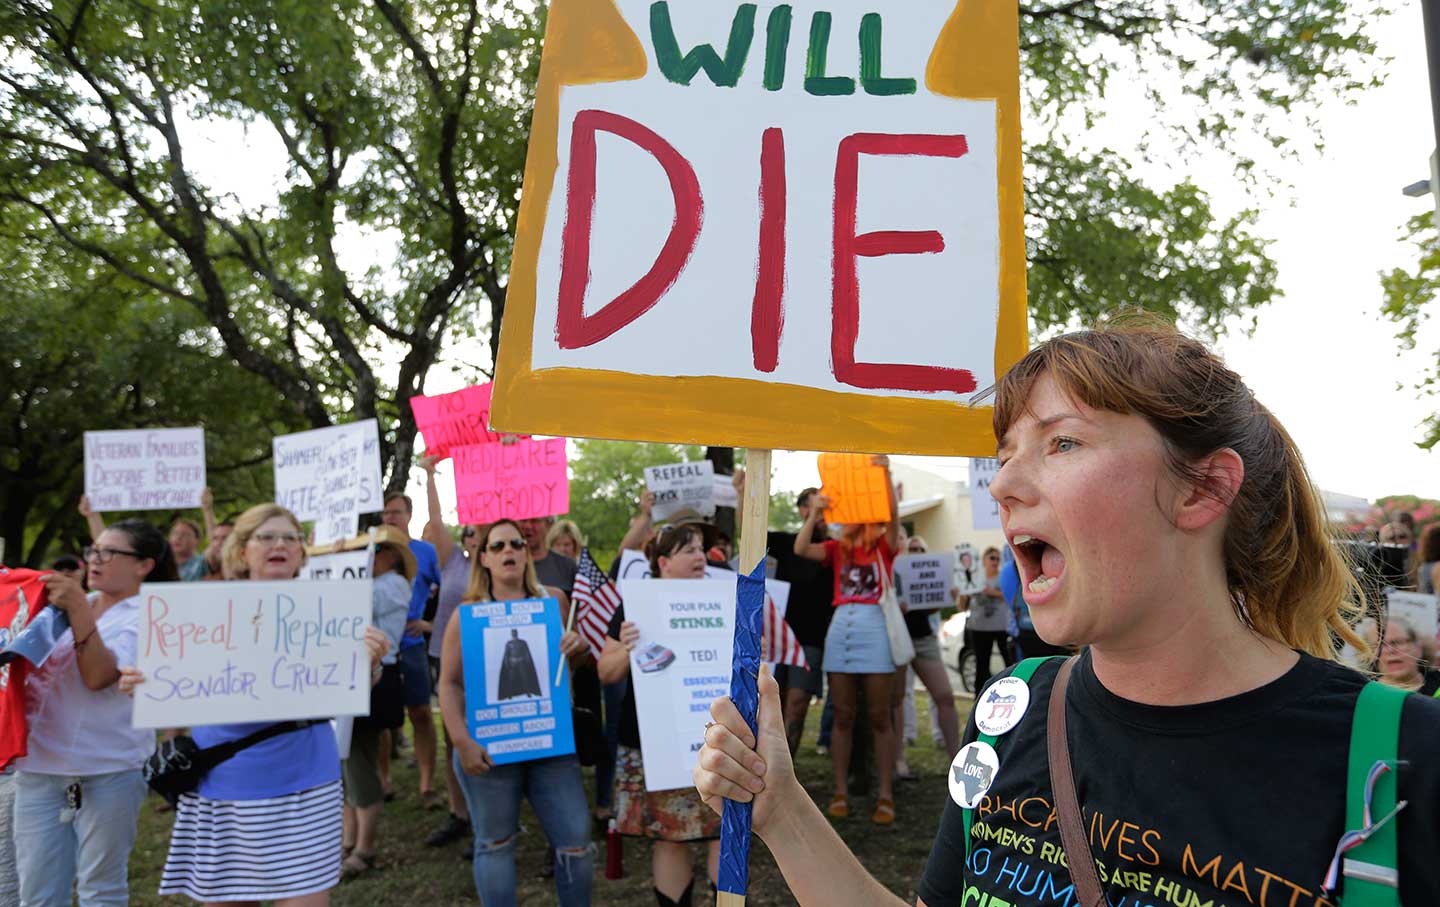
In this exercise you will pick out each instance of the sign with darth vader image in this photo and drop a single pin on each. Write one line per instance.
(515, 705)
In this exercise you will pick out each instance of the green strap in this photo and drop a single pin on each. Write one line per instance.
(1374, 737)
(1024, 670)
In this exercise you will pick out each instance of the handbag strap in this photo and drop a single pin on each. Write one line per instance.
(214, 755)
(1067, 806)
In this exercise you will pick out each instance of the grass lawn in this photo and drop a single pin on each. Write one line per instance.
(409, 873)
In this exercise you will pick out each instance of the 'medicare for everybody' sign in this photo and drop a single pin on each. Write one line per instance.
(810, 212)
(516, 481)
(153, 469)
(217, 653)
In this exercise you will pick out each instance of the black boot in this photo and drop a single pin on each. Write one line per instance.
(684, 898)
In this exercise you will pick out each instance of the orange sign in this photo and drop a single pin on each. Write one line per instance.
(856, 488)
(769, 228)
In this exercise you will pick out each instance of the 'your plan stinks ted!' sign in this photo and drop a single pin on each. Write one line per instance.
(805, 210)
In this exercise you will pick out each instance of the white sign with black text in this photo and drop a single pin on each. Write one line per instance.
(984, 512)
(148, 469)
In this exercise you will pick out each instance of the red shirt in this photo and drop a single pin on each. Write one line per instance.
(22, 596)
(857, 576)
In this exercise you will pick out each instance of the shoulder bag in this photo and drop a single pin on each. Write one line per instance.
(177, 765)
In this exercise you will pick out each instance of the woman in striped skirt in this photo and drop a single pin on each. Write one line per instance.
(265, 825)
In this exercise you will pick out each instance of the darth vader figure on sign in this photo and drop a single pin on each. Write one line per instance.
(517, 670)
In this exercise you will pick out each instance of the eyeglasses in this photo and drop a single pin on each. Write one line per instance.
(270, 538)
(469, 533)
(104, 555)
(498, 546)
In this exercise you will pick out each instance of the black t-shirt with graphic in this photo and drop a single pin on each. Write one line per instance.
(1236, 802)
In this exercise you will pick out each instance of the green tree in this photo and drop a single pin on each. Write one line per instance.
(404, 125)
(92, 353)
(1408, 295)
(606, 481)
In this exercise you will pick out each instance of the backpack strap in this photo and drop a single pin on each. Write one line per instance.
(1370, 869)
(1024, 670)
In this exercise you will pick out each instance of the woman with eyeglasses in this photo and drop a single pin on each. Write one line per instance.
(988, 620)
(1214, 751)
(503, 571)
(857, 646)
(265, 824)
(78, 789)
(672, 819)
(455, 565)
(1407, 658)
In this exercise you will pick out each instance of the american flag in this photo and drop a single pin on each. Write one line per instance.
(597, 599)
(780, 645)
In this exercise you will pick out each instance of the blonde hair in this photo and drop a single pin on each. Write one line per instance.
(479, 588)
(564, 527)
(1287, 580)
(232, 556)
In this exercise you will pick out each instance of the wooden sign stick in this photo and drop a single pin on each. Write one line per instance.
(735, 821)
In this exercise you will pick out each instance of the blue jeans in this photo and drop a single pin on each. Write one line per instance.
(557, 796)
(614, 694)
(89, 849)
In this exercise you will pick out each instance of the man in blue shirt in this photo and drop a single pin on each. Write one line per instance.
(414, 665)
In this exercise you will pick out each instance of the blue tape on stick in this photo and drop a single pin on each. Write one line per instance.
(735, 820)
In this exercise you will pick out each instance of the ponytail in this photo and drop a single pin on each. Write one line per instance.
(147, 542)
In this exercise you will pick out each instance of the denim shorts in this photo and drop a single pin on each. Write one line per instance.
(415, 675)
(857, 642)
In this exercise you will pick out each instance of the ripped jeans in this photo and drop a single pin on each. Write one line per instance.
(557, 796)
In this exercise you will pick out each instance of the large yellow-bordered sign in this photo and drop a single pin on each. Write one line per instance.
(789, 226)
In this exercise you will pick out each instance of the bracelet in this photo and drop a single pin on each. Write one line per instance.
(80, 646)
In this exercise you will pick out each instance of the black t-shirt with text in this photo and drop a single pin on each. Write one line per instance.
(812, 589)
(1223, 804)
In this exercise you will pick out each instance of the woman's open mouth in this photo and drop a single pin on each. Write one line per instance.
(1041, 565)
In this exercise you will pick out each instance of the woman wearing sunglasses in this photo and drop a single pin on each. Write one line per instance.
(988, 620)
(502, 572)
(1163, 519)
(455, 564)
(265, 824)
(672, 819)
(78, 789)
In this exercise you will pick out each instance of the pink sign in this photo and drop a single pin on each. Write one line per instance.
(519, 481)
(453, 420)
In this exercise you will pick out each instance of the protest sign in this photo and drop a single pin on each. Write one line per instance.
(679, 666)
(923, 580)
(856, 488)
(969, 572)
(984, 512)
(339, 565)
(516, 705)
(150, 469)
(844, 243)
(457, 419)
(300, 474)
(682, 486)
(634, 565)
(217, 653)
(515, 481)
(342, 473)
(724, 494)
(1416, 608)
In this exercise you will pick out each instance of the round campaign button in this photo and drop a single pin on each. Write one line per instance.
(1002, 705)
(972, 772)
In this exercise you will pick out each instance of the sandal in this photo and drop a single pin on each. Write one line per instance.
(884, 812)
(356, 864)
(839, 807)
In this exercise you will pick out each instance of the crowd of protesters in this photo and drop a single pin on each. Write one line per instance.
(286, 820)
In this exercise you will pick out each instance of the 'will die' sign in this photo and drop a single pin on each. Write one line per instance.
(810, 212)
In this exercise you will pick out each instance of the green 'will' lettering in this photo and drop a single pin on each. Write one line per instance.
(724, 73)
(816, 82)
(870, 77)
(777, 44)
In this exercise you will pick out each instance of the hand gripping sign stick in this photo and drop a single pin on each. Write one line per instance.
(749, 611)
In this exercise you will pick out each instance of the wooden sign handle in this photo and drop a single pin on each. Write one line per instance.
(755, 523)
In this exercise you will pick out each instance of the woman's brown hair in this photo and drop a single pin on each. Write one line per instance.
(1287, 580)
(1430, 544)
(479, 589)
